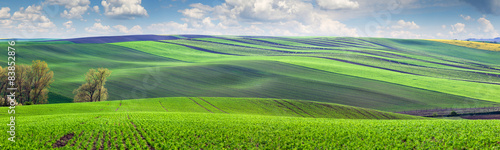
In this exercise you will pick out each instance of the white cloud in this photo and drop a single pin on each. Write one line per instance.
(98, 27)
(457, 28)
(134, 30)
(124, 9)
(68, 24)
(193, 13)
(443, 26)
(337, 4)
(401, 24)
(487, 27)
(4, 12)
(76, 7)
(31, 19)
(467, 18)
(5, 23)
(96, 9)
(265, 17)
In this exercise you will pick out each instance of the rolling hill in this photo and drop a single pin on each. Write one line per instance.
(383, 74)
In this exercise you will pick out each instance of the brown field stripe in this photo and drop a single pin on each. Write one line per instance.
(147, 143)
(299, 108)
(162, 106)
(63, 140)
(201, 106)
(119, 106)
(288, 107)
(213, 105)
(95, 141)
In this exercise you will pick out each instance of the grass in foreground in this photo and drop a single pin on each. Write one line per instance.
(177, 130)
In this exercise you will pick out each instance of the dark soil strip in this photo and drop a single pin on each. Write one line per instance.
(201, 106)
(102, 140)
(299, 108)
(213, 105)
(162, 106)
(477, 117)
(95, 141)
(123, 141)
(119, 106)
(149, 146)
(63, 140)
(447, 111)
(73, 144)
(288, 108)
(200, 49)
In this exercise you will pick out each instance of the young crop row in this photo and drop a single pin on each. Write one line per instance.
(219, 131)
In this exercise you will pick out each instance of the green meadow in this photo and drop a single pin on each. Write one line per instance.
(242, 92)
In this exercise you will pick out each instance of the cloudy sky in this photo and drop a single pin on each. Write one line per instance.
(443, 19)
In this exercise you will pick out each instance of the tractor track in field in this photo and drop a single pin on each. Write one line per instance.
(96, 138)
(212, 105)
(299, 108)
(63, 140)
(162, 106)
(73, 144)
(288, 108)
(119, 106)
(200, 105)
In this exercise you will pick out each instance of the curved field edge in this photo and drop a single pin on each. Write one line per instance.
(461, 88)
(180, 130)
(223, 105)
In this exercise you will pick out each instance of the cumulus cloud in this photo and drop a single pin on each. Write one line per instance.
(5, 23)
(96, 9)
(487, 27)
(401, 24)
(124, 9)
(485, 6)
(98, 27)
(4, 12)
(76, 7)
(457, 28)
(337, 4)
(32, 19)
(134, 30)
(467, 18)
(68, 24)
(265, 17)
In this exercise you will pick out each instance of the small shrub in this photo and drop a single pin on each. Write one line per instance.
(434, 114)
(28, 103)
(453, 113)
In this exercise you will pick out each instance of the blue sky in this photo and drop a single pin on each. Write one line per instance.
(424, 19)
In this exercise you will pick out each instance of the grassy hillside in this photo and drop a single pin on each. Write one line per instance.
(248, 106)
(384, 74)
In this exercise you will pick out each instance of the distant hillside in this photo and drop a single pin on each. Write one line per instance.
(377, 73)
(496, 40)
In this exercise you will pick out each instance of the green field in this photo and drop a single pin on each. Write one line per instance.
(415, 74)
(237, 123)
(242, 92)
